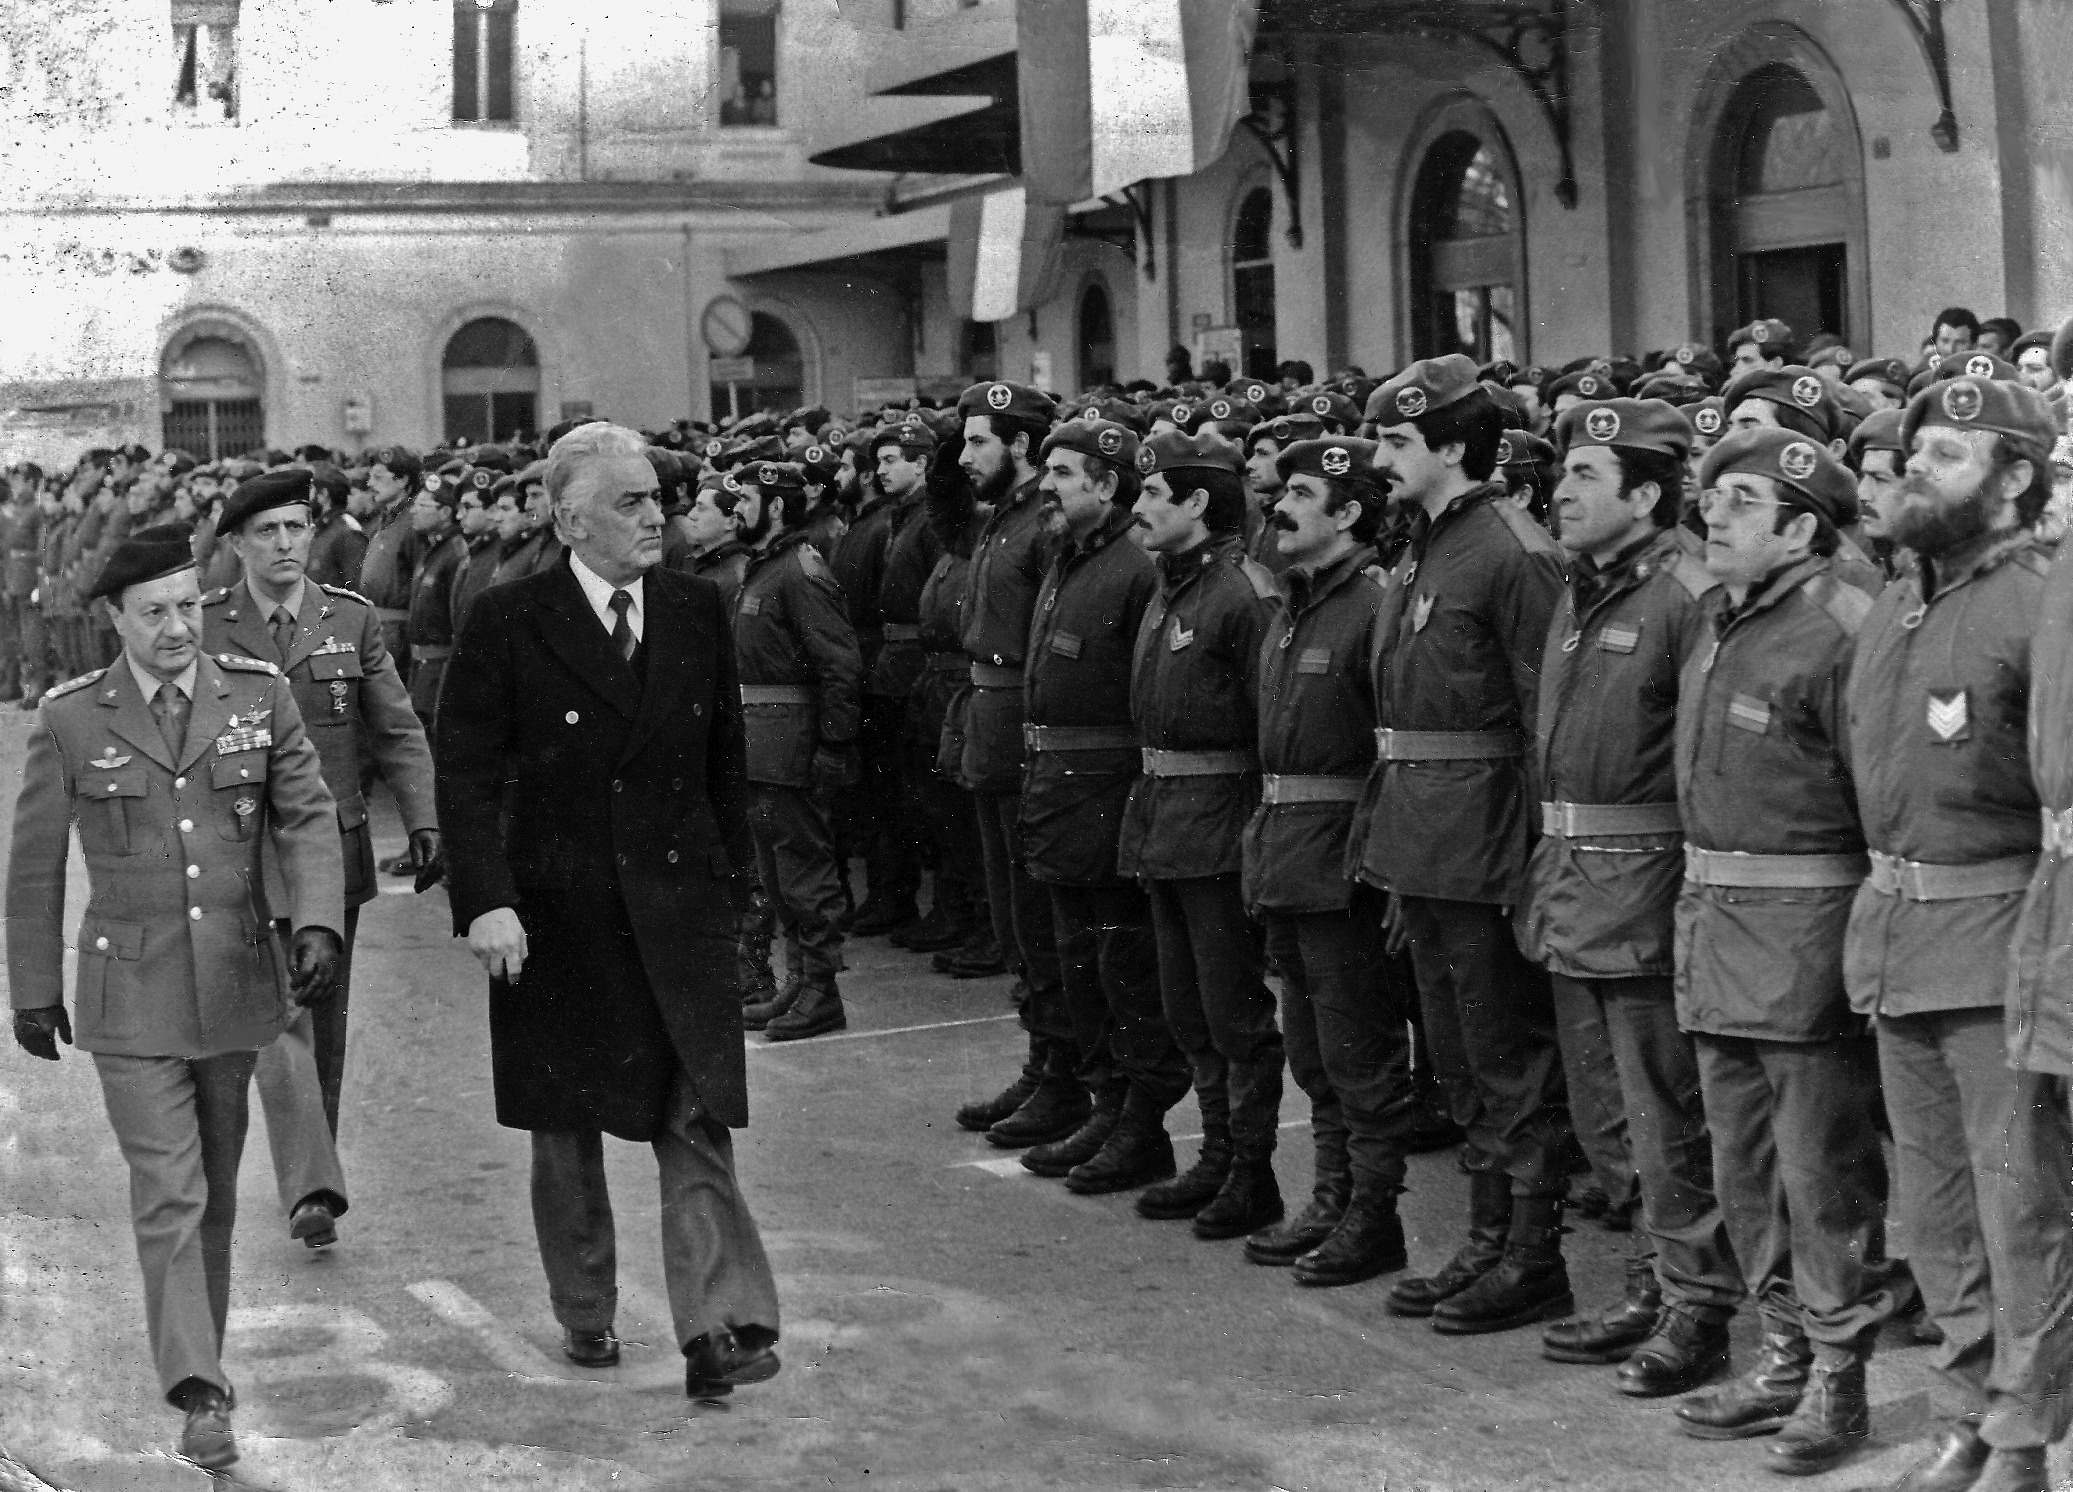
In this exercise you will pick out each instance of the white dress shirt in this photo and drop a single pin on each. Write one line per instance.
(147, 684)
(598, 591)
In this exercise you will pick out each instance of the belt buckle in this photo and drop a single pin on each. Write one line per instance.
(2058, 831)
(1148, 760)
(1565, 820)
(1030, 736)
(1383, 737)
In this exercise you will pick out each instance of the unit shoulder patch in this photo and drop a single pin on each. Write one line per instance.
(240, 664)
(57, 691)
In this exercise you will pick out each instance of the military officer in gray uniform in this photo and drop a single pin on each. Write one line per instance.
(327, 642)
(176, 765)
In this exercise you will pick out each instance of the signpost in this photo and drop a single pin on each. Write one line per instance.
(726, 326)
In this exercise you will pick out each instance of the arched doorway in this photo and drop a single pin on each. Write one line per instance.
(1097, 338)
(1252, 283)
(1786, 167)
(490, 380)
(770, 373)
(1465, 259)
(212, 393)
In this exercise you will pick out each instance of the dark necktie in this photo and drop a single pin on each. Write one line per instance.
(622, 630)
(169, 705)
(284, 633)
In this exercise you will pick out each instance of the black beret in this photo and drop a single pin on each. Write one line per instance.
(1698, 359)
(1708, 417)
(1173, 449)
(1264, 397)
(148, 554)
(1975, 365)
(1518, 448)
(1806, 475)
(1629, 424)
(1427, 385)
(1103, 438)
(1284, 429)
(821, 463)
(330, 479)
(1971, 403)
(1342, 458)
(1879, 431)
(1015, 401)
(1890, 371)
(911, 435)
(273, 489)
(1773, 336)
(775, 476)
(1793, 386)
(400, 460)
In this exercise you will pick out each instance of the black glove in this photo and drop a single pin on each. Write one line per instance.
(313, 965)
(833, 768)
(33, 1030)
(431, 859)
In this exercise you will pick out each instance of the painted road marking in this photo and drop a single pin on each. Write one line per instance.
(819, 1041)
(505, 1347)
(1006, 1165)
(351, 1346)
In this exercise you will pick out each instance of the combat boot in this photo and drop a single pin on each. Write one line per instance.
(1057, 1107)
(1368, 1241)
(984, 1113)
(1288, 1241)
(939, 930)
(1530, 1283)
(1611, 1335)
(1759, 1402)
(757, 1017)
(883, 915)
(1138, 1150)
(1249, 1199)
(1194, 1189)
(1489, 1220)
(1832, 1421)
(1084, 1143)
(979, 958)
(1689, 1347)
(1959, 1460)
(816, 1012)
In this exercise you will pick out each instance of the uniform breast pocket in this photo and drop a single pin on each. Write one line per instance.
(335, 696)
(240, 782)
(108, 958)
(110, 805)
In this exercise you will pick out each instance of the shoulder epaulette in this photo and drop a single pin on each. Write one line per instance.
(339, 590)
(353, 523)
(56, 691)
(221, 593)
(1845, 605)
(1692, 575)
(2035, 558)
(241, 664)
(1264, 583)
(812, 563)
(1531, 536)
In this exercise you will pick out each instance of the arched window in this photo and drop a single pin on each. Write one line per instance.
(1782, 204)
(1252, 283)
(770, 374)
(1097, 339)
(1465, 263)
(491, 382)
(212, 392)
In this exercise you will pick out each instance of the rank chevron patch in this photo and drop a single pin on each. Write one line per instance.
(1948, 716)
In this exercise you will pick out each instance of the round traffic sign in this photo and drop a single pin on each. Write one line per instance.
(725, 326)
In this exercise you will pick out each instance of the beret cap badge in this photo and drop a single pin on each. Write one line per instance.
(1797, 461)
(1336, 461)
(1504, 450)
(1684, 356)
(1962, 401)
(1110, 441)
(1000, 396)
(1182, 413)
(1806, 390)
(1410, 403)
(1602, 424)
(816, 453)
(1979, 365)
(1145, 459)
(1587, 386)
(1220, 410)
(1708, 421)
(1759, 334)
(1321, 405)
(766, 475)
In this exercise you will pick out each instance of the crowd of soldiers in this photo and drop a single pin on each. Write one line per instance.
(1632, 773)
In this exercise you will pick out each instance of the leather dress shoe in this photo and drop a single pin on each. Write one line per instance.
(206, 1439)
(314, 1223)
(718, 1362)
(1685, 1351)
(2020, 1470)
(590, 1349)
(1954, 1465)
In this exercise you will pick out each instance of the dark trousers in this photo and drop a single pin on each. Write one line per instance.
(1597, 1112)
(1213, 990)
(10, 647)
(1022, 918)
(181, 1124)
(795, 855)
(953, 826)
(884, 809)
(712, 1255)
(1983, 1154)
(39, 663)
(1342, 1019)
(1110, 971)
(1801, 1182)
(1491, 1025)
(1664, 1129)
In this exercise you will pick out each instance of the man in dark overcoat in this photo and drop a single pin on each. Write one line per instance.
(604, 687)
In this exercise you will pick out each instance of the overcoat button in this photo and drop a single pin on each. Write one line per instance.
(102, 944)
(571, 717)
(672, 857)
(187, 826)
(194, 914)
(193, 871)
